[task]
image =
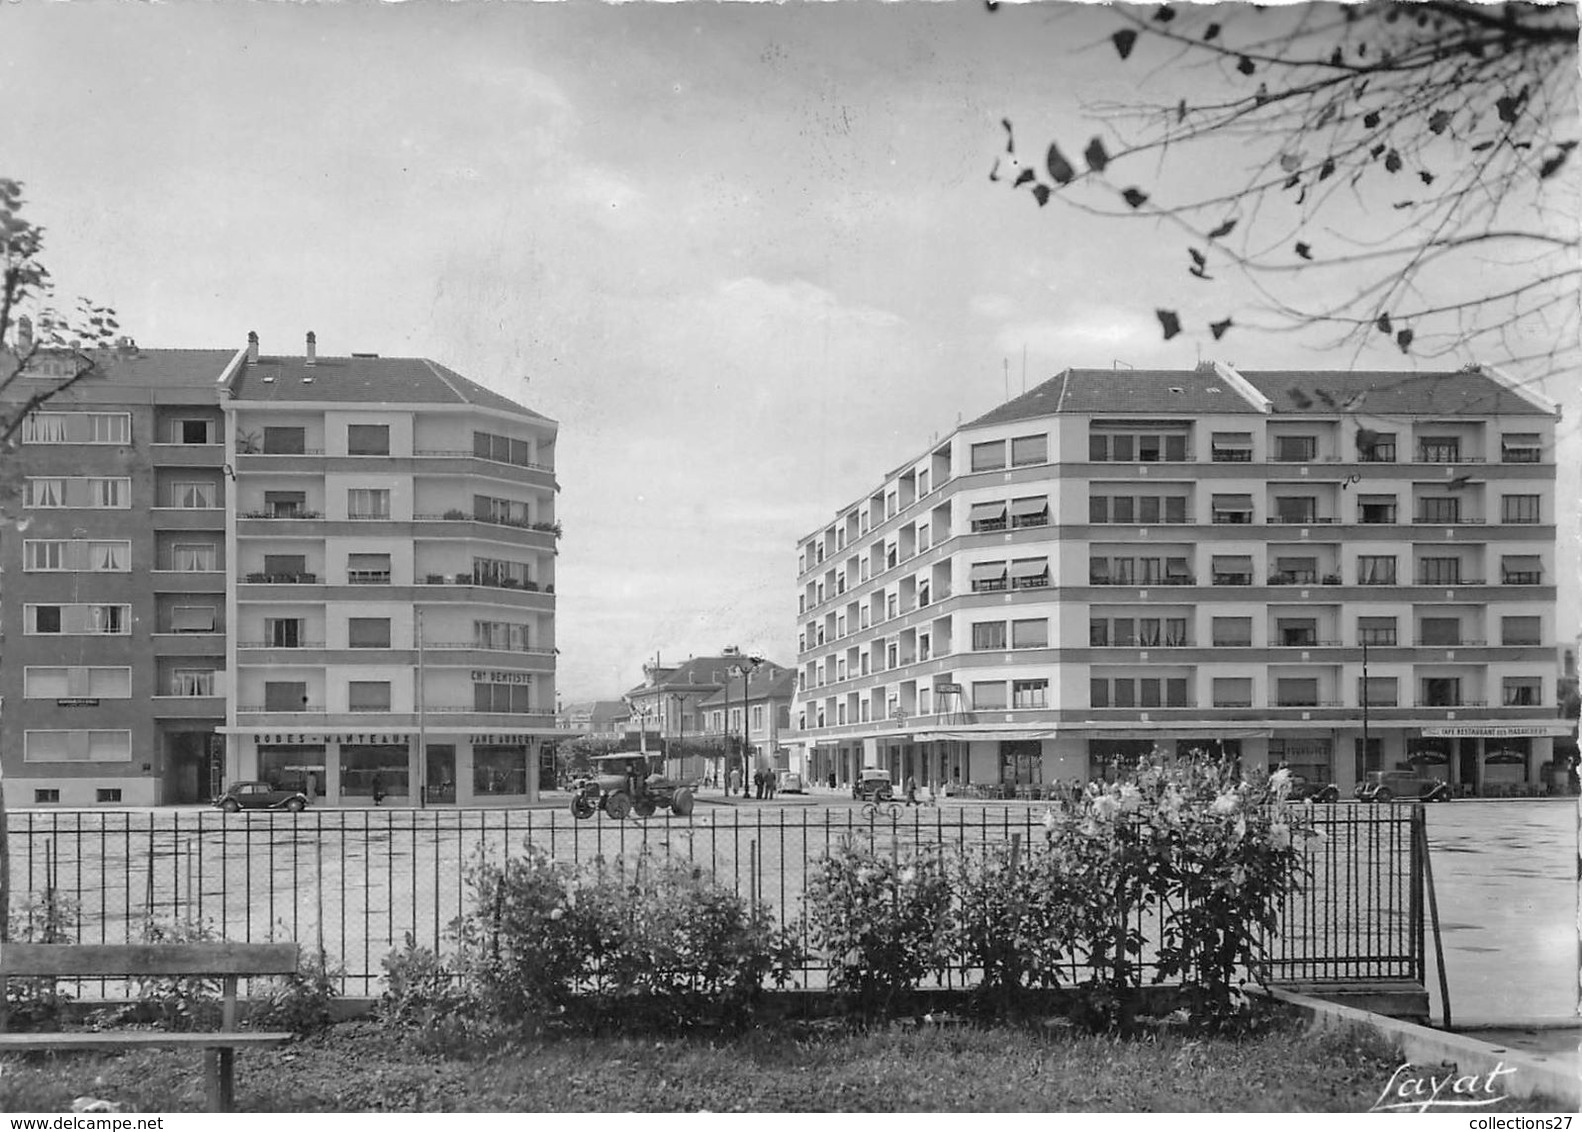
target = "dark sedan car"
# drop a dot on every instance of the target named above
(260, 796)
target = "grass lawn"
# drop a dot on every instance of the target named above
(357, 1067)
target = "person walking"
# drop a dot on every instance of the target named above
(378, 786)
(911, 790)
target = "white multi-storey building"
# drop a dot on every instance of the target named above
(392, 615)
(1337, 572)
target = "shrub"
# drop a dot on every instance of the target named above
(882, 922)
(298, 1002)
(178, 1002)
(39, 1003)
(1214, 855)
(1014, 921)
(425, 995)
(661, 942)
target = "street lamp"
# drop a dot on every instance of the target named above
(743, 668)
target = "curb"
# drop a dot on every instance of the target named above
(1421, 1045)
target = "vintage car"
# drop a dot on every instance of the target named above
(790, 782)
(1304, 790)
(628, 782)
(260, 796)
(873, 784)
(1405, 785)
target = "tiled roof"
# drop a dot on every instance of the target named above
(776, 685)
(1459, 392)
(1151, 391)
(1155, 392)
(150, 368)
(697, 672)
(367, 380)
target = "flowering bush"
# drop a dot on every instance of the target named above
(883, 922)
(1214, 855)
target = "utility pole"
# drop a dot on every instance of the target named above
(422, 730)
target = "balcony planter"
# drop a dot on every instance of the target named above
(435, 579)
(1332, 579)
(454, 515)
(258, 577)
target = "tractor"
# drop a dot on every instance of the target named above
(628, 783)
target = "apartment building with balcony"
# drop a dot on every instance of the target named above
(392, 601)
(113, 679)
(1264, 565)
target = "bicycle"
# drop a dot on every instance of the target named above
(873, 811)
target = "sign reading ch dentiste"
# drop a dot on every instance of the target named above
(483, 676)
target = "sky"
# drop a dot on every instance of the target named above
(748, 255)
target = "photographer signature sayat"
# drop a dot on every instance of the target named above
(1411, 1088)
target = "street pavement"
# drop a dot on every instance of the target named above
(1506, 876)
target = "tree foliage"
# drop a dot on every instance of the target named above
(58, 350)
(1384, 169)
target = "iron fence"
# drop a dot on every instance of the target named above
(356, 883)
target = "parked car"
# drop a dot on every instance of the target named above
(790, 783)
(873, 785)
(1302, 790)
(260, 796)
(1406, 785)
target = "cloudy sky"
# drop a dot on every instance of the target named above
(747, 254)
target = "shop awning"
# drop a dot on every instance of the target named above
(1496, 730)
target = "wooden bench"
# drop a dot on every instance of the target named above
(225, 961)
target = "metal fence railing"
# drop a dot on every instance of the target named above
(357, 882)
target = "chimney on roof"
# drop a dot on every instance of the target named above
(313, 349)
(252, 347)
(24, 334)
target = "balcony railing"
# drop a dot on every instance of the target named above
(1465, 642)
(1232, 517)
(282, 579)
(1458, 703)
(454, 453)
(1521, 455)
(1230, 455)
(1429, 520)
(295, 709)
(301, 513)
(277, 645)
(1522, 578)
(1308, 703)
(984, 526)
(1232, 579)
(1426, 580)
(368, 577)
(1294, 578)
(1033, 582)
(1022, 521)
(987, 585)
(1298, 520)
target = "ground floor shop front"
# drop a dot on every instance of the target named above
(397, 768)
(1475, 760)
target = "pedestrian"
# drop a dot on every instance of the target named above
(911, 790)
(734, 782)
(770, 785)
(378, 787)
(758, 785)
